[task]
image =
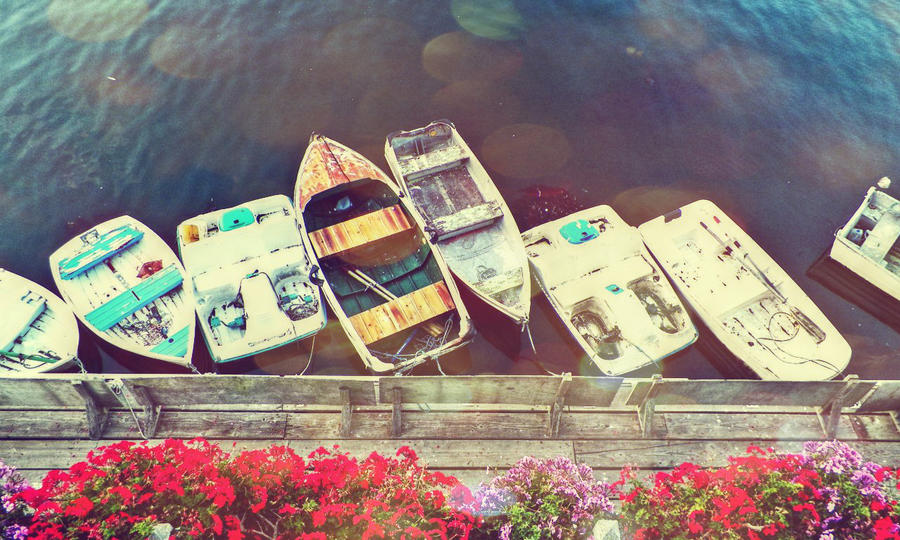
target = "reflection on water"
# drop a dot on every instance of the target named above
(97, 20)
(782, 114)
(492, 19)
(525, 150)
(458, 56)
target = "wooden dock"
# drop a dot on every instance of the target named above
(462, 425)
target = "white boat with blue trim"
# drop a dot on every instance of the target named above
(608, 291)
(256, 286)
(38, 331)
(464, 213)
(125, 284)
(769, 325)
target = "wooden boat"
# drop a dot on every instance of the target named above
(125, 284)
(869, 244)
(607, 290)
(253, 279)
(748, 302)
(38, 331)
(465, 215)
(388, 288)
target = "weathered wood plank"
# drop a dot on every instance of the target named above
(749, 392)
(521, 389)
(771, 426)
(886, 397)
(876, 427)
(193, 390)
(64, 424)
(592, 391)
(602, 425)
(22, 392)
(663, 454)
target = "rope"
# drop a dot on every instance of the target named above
(312, 346)
(527, 327)
(79, 364)
(117, 390)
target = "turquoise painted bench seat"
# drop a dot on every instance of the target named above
(105, 247)
(176, 345)
(109, 314)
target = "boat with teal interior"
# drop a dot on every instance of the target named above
(125, 284)
(388, 287)
(256, 286)
(608, 290)
(467, 218)
(38, 331)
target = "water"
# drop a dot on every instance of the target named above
(783, 112)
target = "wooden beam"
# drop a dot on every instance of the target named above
(346, 411)
(832, 410)
(555, 409)
(96, 414)
(647, 407)
(396, 420)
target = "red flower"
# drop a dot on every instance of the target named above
(79, 507)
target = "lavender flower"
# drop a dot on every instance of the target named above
(554, 497)
(13, 518)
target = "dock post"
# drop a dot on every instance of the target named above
(346, 410)
(97, 415)
(832, 410)
(396, 419)
(647, 408)
(555, 410)
(132, 396)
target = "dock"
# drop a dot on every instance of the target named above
(460, 425)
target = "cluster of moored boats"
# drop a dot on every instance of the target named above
(383, 255)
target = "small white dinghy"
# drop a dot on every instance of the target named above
(464, 213)
(125, 284)
(869, 244)
(253, 281)
(748, 302)
(38, 331)
(607, 290)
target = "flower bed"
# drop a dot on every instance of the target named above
(127, 490)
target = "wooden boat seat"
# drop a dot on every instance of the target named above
(465, 220)
(360, 231)
(402, 313)
(432, 162)
(20, 311)
(104, 247)
(128, 302)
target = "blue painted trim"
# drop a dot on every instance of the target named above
(176, 345)
(127, 303)
(104, 248)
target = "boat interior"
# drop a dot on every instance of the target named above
(381, 269)
(877, 231)
(251, 275)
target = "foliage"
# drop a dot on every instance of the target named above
(14, 518)
(126, 489)
(543, 498)
(827, 492)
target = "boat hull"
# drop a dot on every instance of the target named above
(46, 336)
(130, 292)
(608, 291)
(472, 225)
(879, 271)
(377, 303)
(747, 301)
(252, 278)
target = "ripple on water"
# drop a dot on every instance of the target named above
(526, 150)
(476, 107)
(284, 116)
(359, 52)
(830, 157)
(97, 20)
(734, 70)
(189, 51)
(459, 56)
(492, 19)
(673, 34)
(115, 83)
